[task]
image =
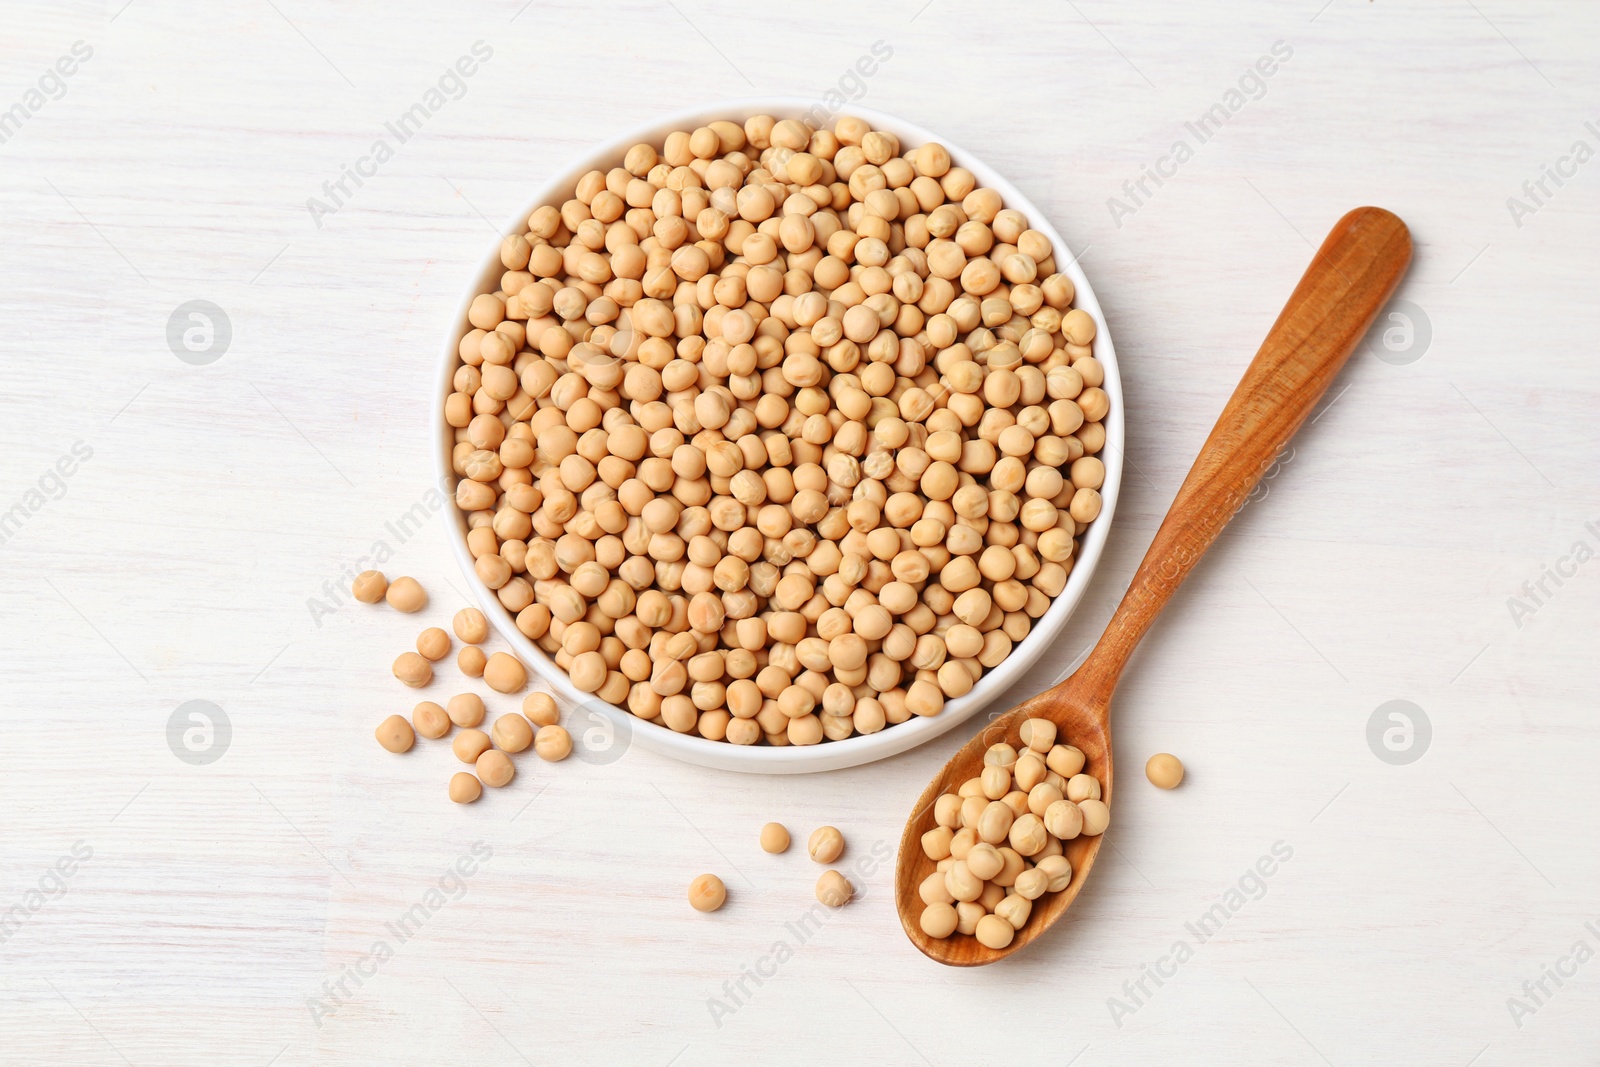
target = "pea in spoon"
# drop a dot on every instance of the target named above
(1350, 278)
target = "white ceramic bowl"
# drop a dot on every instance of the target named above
(830, 755)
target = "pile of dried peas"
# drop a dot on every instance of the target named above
(997, 843)
(773, 433)
(489, 754)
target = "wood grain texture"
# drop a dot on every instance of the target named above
(1374, 564)
(1350, 279)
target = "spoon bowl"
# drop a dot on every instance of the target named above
(1079, 722)
(1349, 280)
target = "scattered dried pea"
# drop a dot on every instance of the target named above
(494, 768)
(407, 595)
(470, 744)
(433, 644)
(471, 626)
(395, 734)
(552, 743)
(826, 844)
(511, 733)
(1164, 770)
(465, 787)
(834, 889)
(707, 893)
(504, 673)
(413, 670)
(465, 709)
(774, 838)
(369, 587)
(430, 720)
(540, 708)
(471, 661)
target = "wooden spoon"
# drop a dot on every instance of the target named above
(1349, 280)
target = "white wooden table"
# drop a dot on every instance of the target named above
(212, 911)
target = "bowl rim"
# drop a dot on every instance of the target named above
(860, 748)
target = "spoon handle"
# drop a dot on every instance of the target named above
(1349, 280)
